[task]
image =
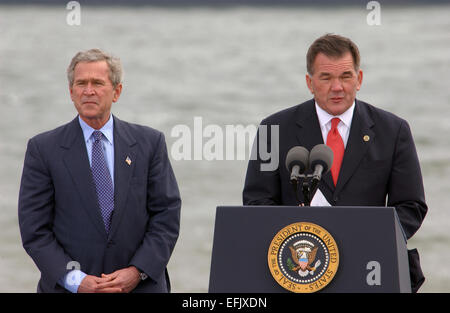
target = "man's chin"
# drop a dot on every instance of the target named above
(90, 117)
(338, 107)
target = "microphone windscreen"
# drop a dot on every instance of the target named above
(321, 154)
(297, 156)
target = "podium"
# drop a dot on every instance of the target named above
(249, 240)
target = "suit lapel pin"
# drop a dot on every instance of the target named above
(366, 138)
(128, 160)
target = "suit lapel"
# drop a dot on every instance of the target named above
(309, 133)
(124, 163)
(357, 144)
(76, 161)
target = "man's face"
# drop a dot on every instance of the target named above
(334, 82)
(93, 93)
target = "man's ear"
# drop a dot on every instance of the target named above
(309, 83)
(360, 79)
(71, 92)
(117, 92)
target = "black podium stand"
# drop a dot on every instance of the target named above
(370, 241)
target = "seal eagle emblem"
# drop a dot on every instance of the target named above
(303, 257)
(303, 254)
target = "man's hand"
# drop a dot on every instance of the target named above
(124, 279)
(91, 284)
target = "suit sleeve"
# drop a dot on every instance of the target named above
(405, 188)
(36, 212)
(262, 184)
(163, 204)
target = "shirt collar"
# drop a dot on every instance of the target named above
(107, 129)
(325, 117)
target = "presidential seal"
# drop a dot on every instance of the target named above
(303, 257)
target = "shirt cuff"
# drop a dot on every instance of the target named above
(72, 280)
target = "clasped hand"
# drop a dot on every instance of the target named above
(123, 280)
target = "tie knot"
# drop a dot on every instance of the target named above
(334, 122)
(97, 135)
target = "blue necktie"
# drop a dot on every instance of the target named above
(102, 180)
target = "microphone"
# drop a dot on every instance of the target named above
(297, 160)
(320, 161)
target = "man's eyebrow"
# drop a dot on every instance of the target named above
(93, 80)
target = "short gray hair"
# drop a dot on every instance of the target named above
(95, 55)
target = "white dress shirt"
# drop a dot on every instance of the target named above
(343, 127)
(325, 126)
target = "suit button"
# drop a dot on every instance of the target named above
(336, 198)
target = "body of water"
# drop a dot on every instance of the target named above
(229, 66)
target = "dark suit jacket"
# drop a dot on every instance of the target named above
(382, 171)
(60, 219)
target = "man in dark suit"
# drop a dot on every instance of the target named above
(99, 206)
(375, 161)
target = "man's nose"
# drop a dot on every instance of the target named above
(336, 85)
(89, 89)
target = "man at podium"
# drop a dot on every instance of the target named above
(375, 161)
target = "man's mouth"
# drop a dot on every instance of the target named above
(336, 99)
(89, 102)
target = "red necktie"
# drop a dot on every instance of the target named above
(335, 142)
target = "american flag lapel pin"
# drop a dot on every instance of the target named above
(128, 160)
